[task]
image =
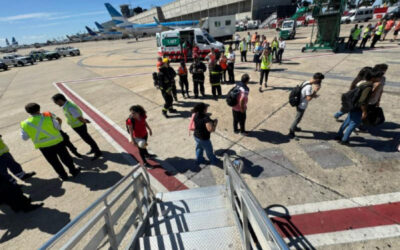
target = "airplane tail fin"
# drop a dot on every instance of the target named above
(91, 32)
(99, 26)
(116, 17)
(14, 42)
(7, 42)
(156, 20)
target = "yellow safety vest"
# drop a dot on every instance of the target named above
(266, 62)
(275, 44)
(41, 130)
(72, 121)
(366, 32)
(3, 147)
(242, 47)
(356, 34)
(379, 30)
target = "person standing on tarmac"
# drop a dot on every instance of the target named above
(183, 79)
(378, 34)
(164, 82)
(223, 62)
(75, 119)
(231, 66)
(274, 47)
(215, 80)
(355, 37)
(243, 50)
(388, 27)
(7, 162)
(282, 46)
(266, 62)
(45, 134)
(171, 75)
(197, 69)
(366, 36)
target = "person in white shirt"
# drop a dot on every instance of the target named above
(308, 92)
(237, 41)
(282, 46)
(231, 66)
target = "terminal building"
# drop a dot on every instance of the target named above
(197, 9)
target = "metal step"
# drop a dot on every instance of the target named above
(217, 238)
(190, 205)
(193, 193)
(190, 222)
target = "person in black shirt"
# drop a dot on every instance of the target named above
(165, 85)
(172, 75)
(204, 126)
(197, 69)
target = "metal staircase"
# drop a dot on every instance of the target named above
(129, 216)
(268, 21)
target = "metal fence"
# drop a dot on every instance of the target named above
(119, 213)
(256, 229)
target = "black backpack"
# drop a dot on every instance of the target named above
(295, 95)
(232, 96)
(350, 98)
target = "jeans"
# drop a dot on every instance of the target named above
(204, 145)
(338, 114)
(8, 162)
(239, 118)
(297, 120)
(264, 72)
(352, 121)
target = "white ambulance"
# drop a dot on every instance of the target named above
(170, 43)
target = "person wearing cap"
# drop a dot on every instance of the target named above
(165, 85)
(171, 75)
(309, 91)
(197, 69)
(7, 162)
(204, 126)
(44, 131)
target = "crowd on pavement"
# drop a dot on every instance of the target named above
(361, 104)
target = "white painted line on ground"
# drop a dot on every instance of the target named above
(344, 203)
(351, 236)
(159, 187)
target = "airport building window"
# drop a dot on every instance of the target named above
(228, 23)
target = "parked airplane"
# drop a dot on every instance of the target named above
(144, 29)
(7, 42)
(14, 42)
(104, 34)
(9, 48)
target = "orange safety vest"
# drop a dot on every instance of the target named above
(253, 38)
(47, 114)
(182, 71)
(223, 64)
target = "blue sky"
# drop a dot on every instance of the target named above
(38, 20)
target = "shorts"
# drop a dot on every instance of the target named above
(256, 58)
(396, 32)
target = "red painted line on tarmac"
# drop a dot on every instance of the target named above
(169, 182)
(338, 220)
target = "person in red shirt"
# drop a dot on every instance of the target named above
(223, 62)
(388, 28)
(183, 79)
(196, 52)
(139, 130)
(396, 31)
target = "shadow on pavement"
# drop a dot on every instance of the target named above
(285, 227)
(248, 166)
(100, 164)
(182, 165)
(41, 189)
(96, 180)
(316, 135)
(273, 137)
(44, 219)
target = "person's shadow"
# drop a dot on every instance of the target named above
(45, 219)
(86, 162)
(273, 137)
(41, 189)
(181, 165)
(248, 166)
(96, 180)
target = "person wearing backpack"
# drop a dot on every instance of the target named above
(203, 127)
(239, 109)
(139, 131)
(360, 77)
(358, 113)
(308, 91)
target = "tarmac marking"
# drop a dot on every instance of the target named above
(118, 138)
(340, 221)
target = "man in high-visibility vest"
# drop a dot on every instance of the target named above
(274, 47)
(378, 34)
(266, 62)
(355, 37)
(75, 119)
(44, 131)
(366, 36)
(243, 50)
(215, 80)
(7, 162)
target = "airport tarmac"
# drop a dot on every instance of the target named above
(338, 197)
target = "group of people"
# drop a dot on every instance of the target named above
(44, 130)
(375, 33)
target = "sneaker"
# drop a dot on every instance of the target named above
(245, 133)
(236, 131)
(265, 85)
(345, 143)
(260, 89)
(165, 114)
(28, 175)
